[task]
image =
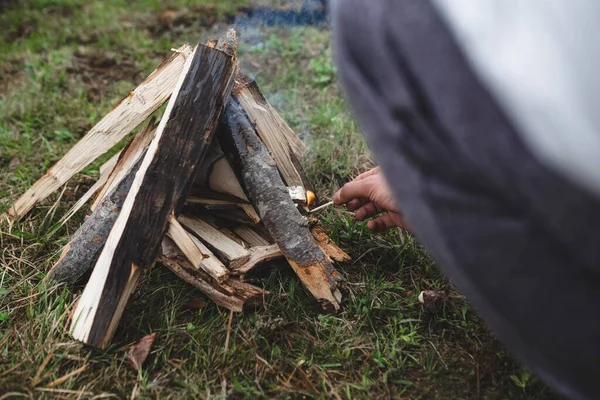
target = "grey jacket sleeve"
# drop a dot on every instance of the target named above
(518, 236)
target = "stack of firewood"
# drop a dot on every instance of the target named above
(212, 191)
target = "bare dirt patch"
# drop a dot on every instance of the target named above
(99, 69)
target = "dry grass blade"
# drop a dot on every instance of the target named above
(37, 378)
(66, 377)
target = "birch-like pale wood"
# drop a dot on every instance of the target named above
(250, 236)
(197, 254)
(163, 180)
(233, 253)
(127, 114)
(281, 141)
(222, 179)
(183, 240)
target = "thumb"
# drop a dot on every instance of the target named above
(356, 189)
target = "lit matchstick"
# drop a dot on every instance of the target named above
(324, 206)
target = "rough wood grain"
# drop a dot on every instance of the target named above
(250, 236)
(111, 129)
(158, 191)
(128, 157)
(331, 250)
(85, 245)
(279, 214)
(283, 143)
(258, 255)
(197, 254)
(233, 253)
(231, 294)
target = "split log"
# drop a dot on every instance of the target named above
(250, 236)
(217, 204)
(158, 190)
(231, 294)
(286, 225)
(234, 237)
(227, 248)
(197, 254)
(111, 129)
(130, 155)
(258, 255)
(283, 143)
(84, 247)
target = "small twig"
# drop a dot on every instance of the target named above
(324, 206)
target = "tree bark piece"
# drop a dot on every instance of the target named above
(231, 294)
(158, 190)
(279, 214)
(230, 250)
(85, 245)
(111, 129)
(328, 246)
(197, 254)
(283, 143)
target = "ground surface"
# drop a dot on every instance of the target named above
(63, 64)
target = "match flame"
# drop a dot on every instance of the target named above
(310, 197)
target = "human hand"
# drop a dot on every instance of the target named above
(369, 195)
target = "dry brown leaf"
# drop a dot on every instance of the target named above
(138, 352)
(193, 304)
(14, 163)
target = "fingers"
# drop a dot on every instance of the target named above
(373, 171)
(361, 189)
(356, 204)
(382, 223)
(368, 210)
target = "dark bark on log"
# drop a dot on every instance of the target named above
(279, 214)
(158, 191)
(83, 250)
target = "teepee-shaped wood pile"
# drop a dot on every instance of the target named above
(211, 191)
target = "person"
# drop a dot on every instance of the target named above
(483, 116)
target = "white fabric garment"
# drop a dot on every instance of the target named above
(541, 60)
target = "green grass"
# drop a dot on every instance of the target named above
(382, 345)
